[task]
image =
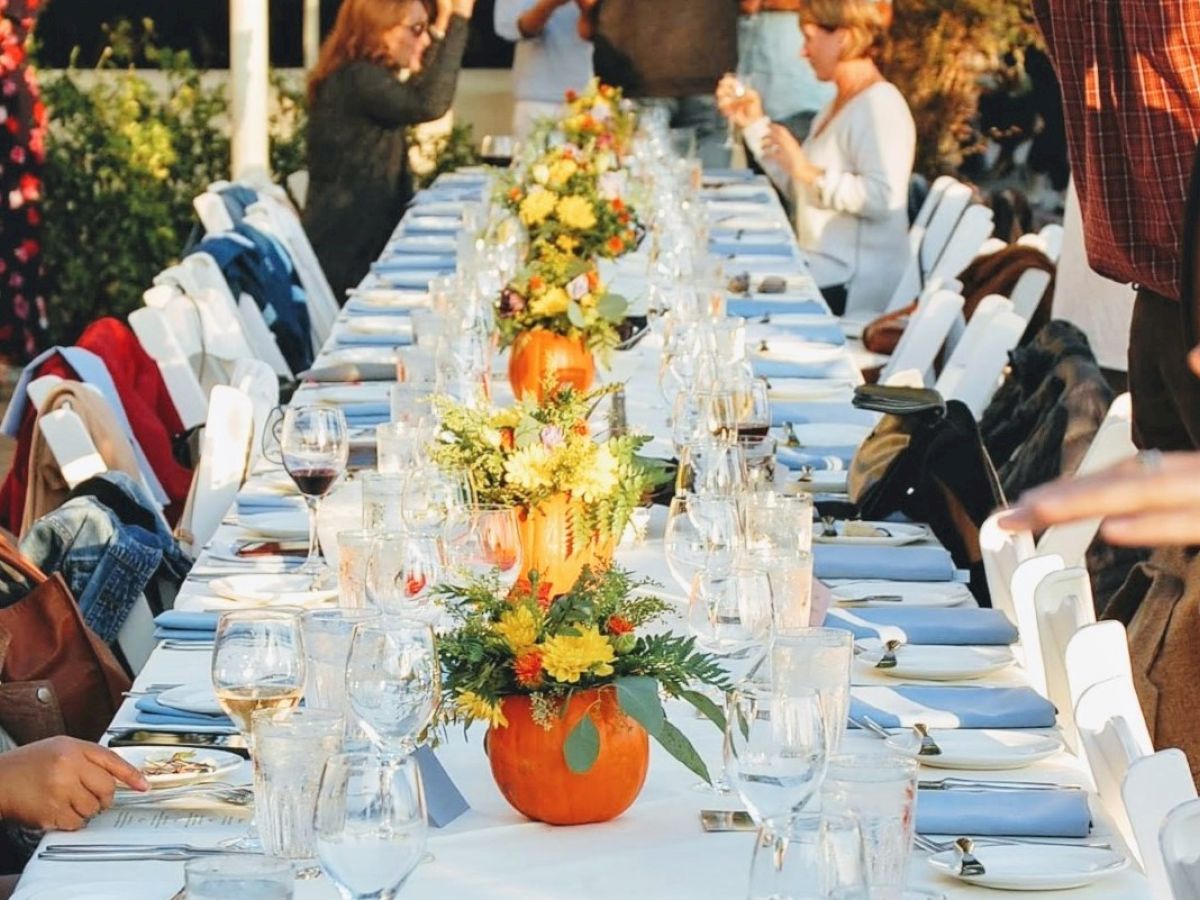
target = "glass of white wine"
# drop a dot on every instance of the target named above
(258, 663)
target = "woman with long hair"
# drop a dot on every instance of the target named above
(848, 181)
(386, 65)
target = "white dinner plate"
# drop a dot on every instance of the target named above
(1034, 867)
(983, 749)
(356, 356)
(819, 434)
(800, 390)
(281, 526)
(894, 534)
(193, 698)
(924, 662)
(95, 890)
(222, 762)
(261, 589)
(385, 325)
(911, 593)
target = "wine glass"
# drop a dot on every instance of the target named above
(258, 662)
(370, 823)
(753, 409)
(434, 499)
(393, 682)
(315, 444)
(711, 467)
(698, 530)
(403, 568)
(488, 542)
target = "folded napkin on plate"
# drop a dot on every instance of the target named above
(347, 337)
(385, 268)
(336, 373)
(756, 245)
(414, 279)
(895, 563)
(822, 459)
(422, 244)
(1015, 813)
(818, 329)
(151, 712)
(252, 502)
(818, 411)
(960, 626)
(360, 306)
(367, 412)
(765, 304)
(432, 225)
(179, 625)
(778, 367)
(942, 706)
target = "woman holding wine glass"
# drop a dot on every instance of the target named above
(315, 444)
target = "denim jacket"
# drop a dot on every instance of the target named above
(108, 558)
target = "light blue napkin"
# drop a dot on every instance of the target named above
(893, 563)
(1036, 813)
(761, 304)
(712, 177)
(201, 624)
(750, 246)
(356, 306)
(421, 245)
(716, 197)
(264, 502)
(921, 625)
(822, 459)
(970, 707)
(788, 368)
(824, 412)
(819, 332)
(346, 337)
(151, 712)
(416, 279)
(432, 262)
(367, 412)
(432, 225)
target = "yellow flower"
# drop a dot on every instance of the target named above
(599, 479)
(566, 243)
(576, 212)
(508, 417)
(561, 171)
(471, 706)
(552, 303)
(529, 467)
(566, 657)
(519, 628)
(536, 206)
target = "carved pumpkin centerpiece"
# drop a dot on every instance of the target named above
(569, 690)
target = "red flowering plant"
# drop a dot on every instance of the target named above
(503, 643)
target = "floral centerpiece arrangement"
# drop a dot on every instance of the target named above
(573, 493)
(600, 118)
(570, 690)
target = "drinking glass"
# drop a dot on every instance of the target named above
(393, 682)
(400, 445)
(758, 459)
(729, 613)
(488, 542)
(382, 500)
(402, 570)
(370, 824)
(817, 856)
(412, 401)
(434, 499)
(699, 531)
(820, 659)
(291, 747)
(754, 408)
(775, 754)
(244, 877)
(354, 547)
(315, 444)
(790, 575)
(327, 637)
(775, 521)
(879, 790)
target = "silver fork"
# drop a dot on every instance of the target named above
(968, 865)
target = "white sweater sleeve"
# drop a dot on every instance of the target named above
(754, 134)
(505, 17)
(872, 176)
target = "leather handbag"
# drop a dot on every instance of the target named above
(56, 676)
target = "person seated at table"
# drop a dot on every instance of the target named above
(371, 82)
(848, 181)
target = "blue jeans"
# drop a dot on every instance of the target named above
(699, 112)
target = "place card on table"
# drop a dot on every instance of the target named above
(443, 800)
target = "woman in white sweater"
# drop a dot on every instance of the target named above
(848, 182)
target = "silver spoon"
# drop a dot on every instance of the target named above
(929, 746)
(888, 660)
(968, 865)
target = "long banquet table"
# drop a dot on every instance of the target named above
(655, 850)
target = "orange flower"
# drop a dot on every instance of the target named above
(593, 278)
(571, 96)
(536, 283)
(617, 204)
(514, 194)
(615, 244)
(528, 669)
(507, 439)
(543, 595)
(618, 625)
(623, 218)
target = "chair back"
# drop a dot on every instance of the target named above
(154, 333)
(1153, 786)
(1063, 604)
(925, 334)
(254, 378)
(1026, 577)
(1179, 841)
(970, 232)
(972, 373)
(1097, 652)
(1002, 552)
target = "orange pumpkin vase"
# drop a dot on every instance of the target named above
(531, 771)
(551, 546)
(538, 352)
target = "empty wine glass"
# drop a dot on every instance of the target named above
(488, 542)
(371, 823)
(315, 443)
(393, 682)
(700, 531)
(712, 468)
(434, 499)
(403, 568)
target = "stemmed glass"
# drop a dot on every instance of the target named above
(699, 531)
(370, 823)
(488, 542)
(753, 408)
(434, 499)
(258, 662)
(393, 682)
(315, 444)
(403, 568)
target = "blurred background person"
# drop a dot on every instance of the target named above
(550, 57)
(848, 181)
(386, 65)
(671, 54)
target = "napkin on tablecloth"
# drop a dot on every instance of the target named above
(753, 245)
(411, 279)
(179, 625)
(778, 366)
(432, 225)
(346, 337)
(943, 706)
(151, 712)
(894, 563)
(965, 626)
(774, 304)
(832, 412)
(423, 245)
(815, 329)
(386, 268)
(1015, 813)
(822, 459)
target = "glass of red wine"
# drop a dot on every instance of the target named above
(315, 444)
(753, 408)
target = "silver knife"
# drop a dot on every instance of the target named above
(968, 784)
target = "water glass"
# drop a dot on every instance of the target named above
(245, 877)
(291, 747)
(403, 568)
(814, 856)
(775, 521)
(790, 575)
(416, 369)
(393, 682)
(354, 547)
(327, 637)
(489, 542)
(370, 823)
(880, 791)
(382, 500)
(700, 532)
(710, 467)
(412, 400)
(758, 459)
(400, 445)
(428, 325)
(819, 659)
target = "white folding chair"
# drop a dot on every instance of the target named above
(224, 459)
(69, 441)
(1002, 552)
(970, 231)
(933, 199)
(972, 373)
(297, 185)
(1179, 841)
(1026, 294)
(925, 334)
(992, 246)
(1063, 604)
(214, 215)
(1052, 237)
(1112, 444)
(1095, 653)
(1112, 734)
(254, 378)
(1153, 786)
(154, 333)
(1026, 578)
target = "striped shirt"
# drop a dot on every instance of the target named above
(1130, 73)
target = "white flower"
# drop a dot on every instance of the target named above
(541, 173)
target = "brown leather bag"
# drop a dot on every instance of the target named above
(56, 675)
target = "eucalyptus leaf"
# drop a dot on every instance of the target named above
(527, 432)
(575, 314)
(675, 743)
(706, 706)
(638, 697)
(582, 746)
(612, 307)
